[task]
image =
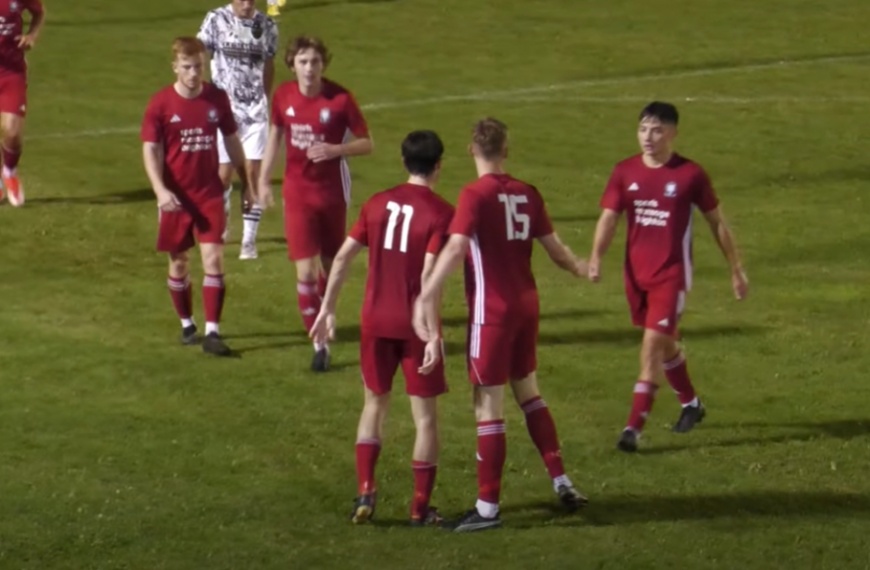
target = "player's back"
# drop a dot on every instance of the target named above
(510, 214)
(403, 224)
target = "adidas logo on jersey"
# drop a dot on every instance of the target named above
(290, 112)
(664, 322)
(175, 119)
(634, 187)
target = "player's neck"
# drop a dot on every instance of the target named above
(485, 167)
(421, 181)
(312, 89)
(182, 90)
(659, 160)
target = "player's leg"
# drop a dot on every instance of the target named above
(175, 237)
(210, 221)
(333, 224)
(675, 368)
(646, 386)
(13, 104)
(423, 391)
(302, 231)
(254, 143)
(488, 371)
(379, 359)
(542, 430)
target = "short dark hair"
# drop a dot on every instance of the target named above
(664, 112)
(491, 136)
(421, 152)
(302, 43)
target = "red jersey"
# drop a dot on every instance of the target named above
(187, 129)
(658, 204)
(399, 226)
(501, 215)
(12, 26)
(325, 118)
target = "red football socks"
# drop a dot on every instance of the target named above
(491, 452)
(644, 396)
(367, 451)
(424, 482)
(677, 374)
(182, 296)
(542, 429)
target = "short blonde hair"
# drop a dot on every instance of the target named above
(490, 136)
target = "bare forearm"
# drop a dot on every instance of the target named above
(271, 152)
(604, 232)
(337, 277)
(725, 240)
(236, 153)
(36, 24)
(268, 76)
(152, 157)
(357, 147)
(448, 261)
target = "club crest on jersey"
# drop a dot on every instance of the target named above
(324, 116)
(257, 29)
(670, 189)
(212, 116)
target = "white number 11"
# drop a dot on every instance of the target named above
(517, 223)
(396, 209)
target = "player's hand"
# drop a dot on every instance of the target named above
(581, 268)
(322, 151)
(593, 269)
(323, 329)
(249, 198)
(26, 41)
(167, 201)
(264, 195)
(431, 356)
(740, 283)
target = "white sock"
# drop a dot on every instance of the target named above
(694, 403)
(318, 346)
(212, 328)
(7, 172)
(487, 510)
(187, 323)
(561, 480)
(250, 224)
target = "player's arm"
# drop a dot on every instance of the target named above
(324, 327)
(562, 255)
(37, 22)
(236, 152)
(268, 75)
(355, 147)
(725, 240)
(152, 157)
(273, 147)
(426, 309)
(605, 229)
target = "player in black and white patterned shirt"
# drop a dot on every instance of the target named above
(242, 42)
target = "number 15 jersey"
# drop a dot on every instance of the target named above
(399, 226)
(501, 216)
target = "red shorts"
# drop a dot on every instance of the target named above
(13, 94)
(503, 352)
(314, 230)
(658, 308)
(203, 223)
(381, 357)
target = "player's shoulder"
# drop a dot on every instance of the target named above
(334, 89)
(629, 163)
(287, 88)
(161, 96)
(219, 13)
(687, 167)
(265, 20)
(213, 92)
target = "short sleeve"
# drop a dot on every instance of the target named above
(543, 225)
(271, 38)
(439, 234)
(466, 219)
(276, 116)
(612, 198)
(206, 32)
(356, 123)
(227, 123)
(359, 231)
(703, 195)
(152, 126)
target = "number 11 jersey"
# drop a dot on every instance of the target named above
(501, 216)
(399, 226)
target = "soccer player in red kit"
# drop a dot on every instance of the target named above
(497, 219)
(13, 86)
(323, 125)
(658, 190)
(179, 135)
(404, 228)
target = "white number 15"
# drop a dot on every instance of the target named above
(517, 223)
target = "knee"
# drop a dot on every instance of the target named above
(179, 266)
(306, 271)
(213, 261)
(426, 423)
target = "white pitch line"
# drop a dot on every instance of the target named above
(713, 99)
(530, 91)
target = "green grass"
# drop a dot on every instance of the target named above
(122, 450)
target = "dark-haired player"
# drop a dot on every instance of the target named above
(404, 228)
(658, 189)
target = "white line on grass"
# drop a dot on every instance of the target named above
(539, 90)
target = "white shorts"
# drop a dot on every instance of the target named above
(253, 139)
